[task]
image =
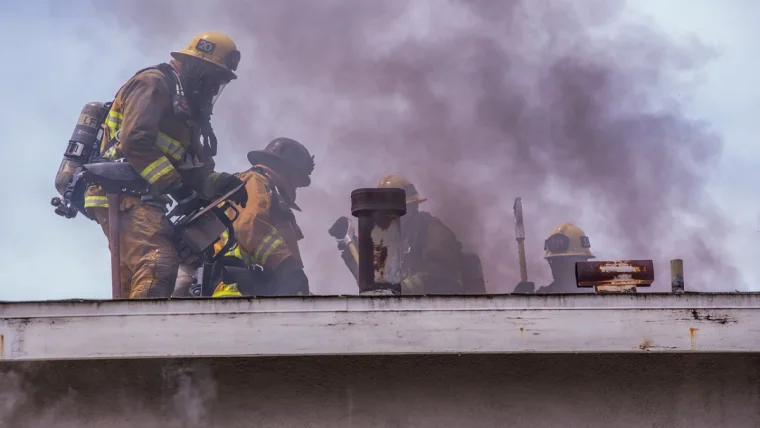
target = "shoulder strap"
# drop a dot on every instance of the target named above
(169, 75)
(178, 95)
(171, 81)
(278, 202)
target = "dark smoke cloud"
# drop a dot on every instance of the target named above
(570, 106)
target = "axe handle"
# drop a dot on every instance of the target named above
(351, 264)
(354, 251)
(521, 260)
(350, 257)
(115, 241)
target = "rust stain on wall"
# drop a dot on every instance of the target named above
(380, 258)
(2, 347)
(693, 336)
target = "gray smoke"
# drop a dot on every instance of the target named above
(574, 106)
(28, 400)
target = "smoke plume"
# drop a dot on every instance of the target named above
(30, 399)
(577, 107)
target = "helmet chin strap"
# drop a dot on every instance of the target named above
(192, 72)
(209, 138)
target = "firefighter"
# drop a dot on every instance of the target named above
(156, 123)
(565, 246)
(266, 230)
(433, 261)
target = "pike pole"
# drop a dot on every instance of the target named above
(115, 241)
(520, 237)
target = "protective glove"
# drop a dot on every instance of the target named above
(226, 182)
(343, 231)
(186, 198)
(525, 288)
(339, 229)
(290, 279)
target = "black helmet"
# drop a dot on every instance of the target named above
(285, 152)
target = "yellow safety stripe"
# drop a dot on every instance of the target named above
(226, 290)
(413, 285)
(236, 251)
(267, 247)
(170, 146)
(113, 122)
(92, 201)
(110, 154)
(225, 237)
(159, 168)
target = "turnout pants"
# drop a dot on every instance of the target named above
(149, 261)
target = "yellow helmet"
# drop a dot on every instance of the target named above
(397, 181)
(215, 48)
(567, 240)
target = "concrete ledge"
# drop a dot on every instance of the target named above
(350, 325)
(416, 391)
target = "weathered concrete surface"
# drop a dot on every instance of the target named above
(340, 325)
(523, 390)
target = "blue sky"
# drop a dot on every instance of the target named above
(67, 58)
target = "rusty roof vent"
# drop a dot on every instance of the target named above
(379, 231)
(621, 276)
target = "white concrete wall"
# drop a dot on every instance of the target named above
(379, 325)
(528, 390)
(479, 361)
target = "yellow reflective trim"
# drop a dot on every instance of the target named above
(110, 154)
(264, 244)
(170, 146)
(226, 290)
(113, 122)
(114, 118)
(166, 170)
(277, 242)
(413, 285)
(159, 168)
(95, 202)
(236, 251)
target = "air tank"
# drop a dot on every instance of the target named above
(84, 139)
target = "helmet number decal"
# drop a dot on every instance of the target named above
(205, 46)
(557, 243)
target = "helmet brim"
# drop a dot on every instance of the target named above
(186, 53)
(261, 157)
(416, 199)
(590, 255)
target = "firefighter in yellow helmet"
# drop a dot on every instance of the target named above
(266, 230)
(565, 246)
(433, 261)
(159, 123)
